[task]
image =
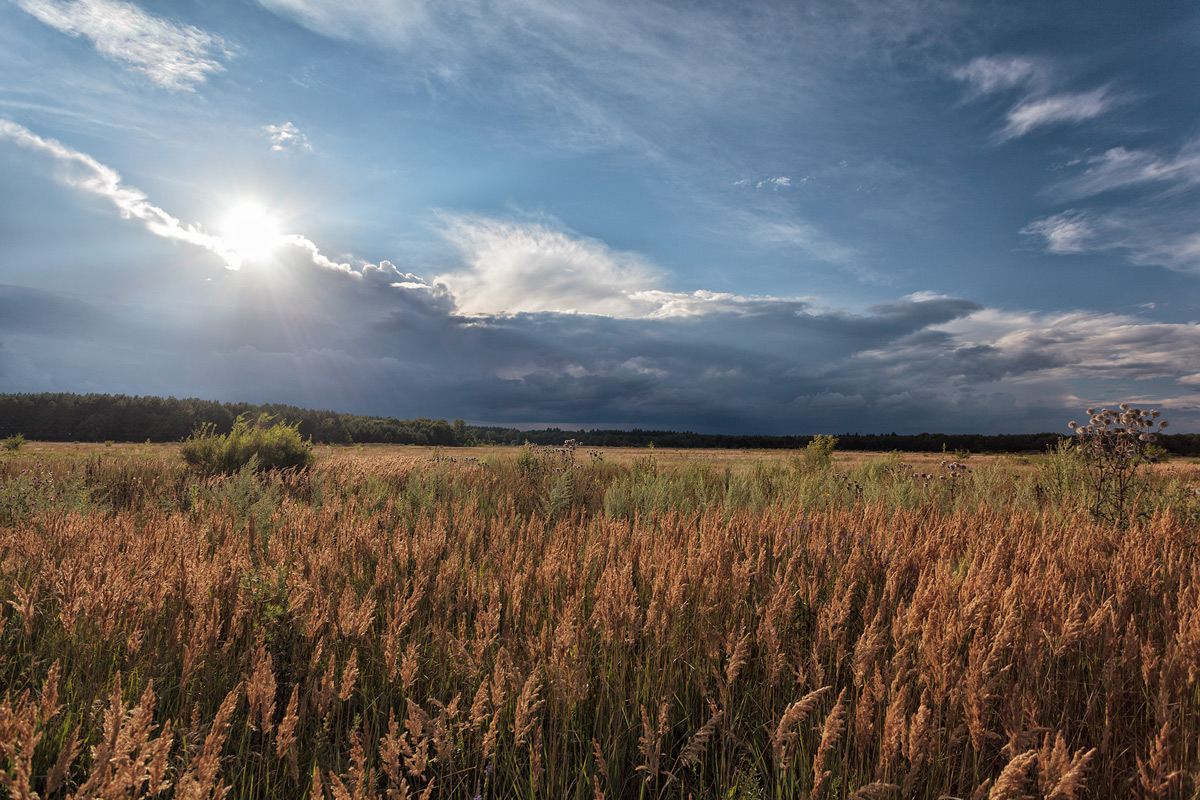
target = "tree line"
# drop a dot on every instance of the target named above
(1176, 444)
(61, 417)
(120, 418)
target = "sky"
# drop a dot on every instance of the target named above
(760, 217)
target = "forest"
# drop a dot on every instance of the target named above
(62, 417)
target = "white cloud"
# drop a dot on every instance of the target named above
(384, 23)
(1120, 168)
(807, 238)
(1179, 250)
(1079, 345)
(1004, 361)
(594, 75)
(779, 182)
(1154, 223)
(86, 173)
(1157, 221)
(286, 137)
(518, 267)
(1038, 106)
(1149, 235)
(1061, 108)
(83, 172)
(1071, 231)
(989, 74)
(172, 55)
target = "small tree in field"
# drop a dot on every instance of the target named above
(1112, 446)
(267, 446)
(818, 455)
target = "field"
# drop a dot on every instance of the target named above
(554, 622)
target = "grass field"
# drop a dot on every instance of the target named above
(478, 622)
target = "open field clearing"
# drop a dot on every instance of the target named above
(667, 457)
(546, 622)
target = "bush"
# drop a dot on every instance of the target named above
(14, 443)
(818, 455)
(259, 444)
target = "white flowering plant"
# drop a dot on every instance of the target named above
(1113, 445)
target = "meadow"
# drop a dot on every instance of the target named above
(563, 623)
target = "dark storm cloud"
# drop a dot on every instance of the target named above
(330, 338)
(33, 311)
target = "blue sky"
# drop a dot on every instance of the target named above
(748, 218)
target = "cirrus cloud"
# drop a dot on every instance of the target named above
(1148, 234)
(1039, 112)
(1038, 106)
(172, 55)
(988, 74)
(1122, 168)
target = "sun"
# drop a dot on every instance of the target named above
(251, 231)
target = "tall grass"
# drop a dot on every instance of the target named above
(455, 627)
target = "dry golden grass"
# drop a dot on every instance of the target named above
(392, 626)
(622, 456)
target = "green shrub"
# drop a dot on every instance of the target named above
(14, 443)
(261, 444)
(1061, 475)
(818, 456)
